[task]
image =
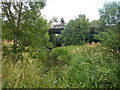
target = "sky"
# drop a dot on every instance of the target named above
(70, 9)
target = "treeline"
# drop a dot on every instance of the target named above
(105, 30)
(27, 31)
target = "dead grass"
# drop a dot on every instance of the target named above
(93, 44)
(5, 42)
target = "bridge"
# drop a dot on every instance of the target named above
(56, 30)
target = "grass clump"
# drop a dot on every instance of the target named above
(26, 73)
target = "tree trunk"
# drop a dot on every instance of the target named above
(17, 27)
(15, 43)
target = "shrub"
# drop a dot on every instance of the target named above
(90, 67)
(60, 56)
(110, 37)
(41, 55)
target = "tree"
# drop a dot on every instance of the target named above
(23, 24)
(108, 14)
(53, 21)
(95, 23)
(118, 15)
(109, 36)
(76, 31)
(16, 14)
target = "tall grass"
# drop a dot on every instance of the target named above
(65, 67)
(27, 73)
(87, 67)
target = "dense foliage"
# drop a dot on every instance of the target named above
(109, 18)
(86, 67)
(90, 66)
(108, 14)
(110, 37)
(25, 27)
(30, 61)
(76, 31)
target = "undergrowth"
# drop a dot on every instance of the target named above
(64, 67)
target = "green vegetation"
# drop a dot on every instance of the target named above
(30, 58)
(109, 14)
(110, 37)
(76, 31)
(24, 27)
(109, 17)
(90, 66)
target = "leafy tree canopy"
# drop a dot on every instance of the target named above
(76, 31)
(24, 26)
(109, 17)
(108, 14)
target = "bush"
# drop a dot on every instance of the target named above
(88, 67)
(110, 37)
(41, 55)
(59, 56)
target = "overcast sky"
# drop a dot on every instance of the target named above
(69, 9)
